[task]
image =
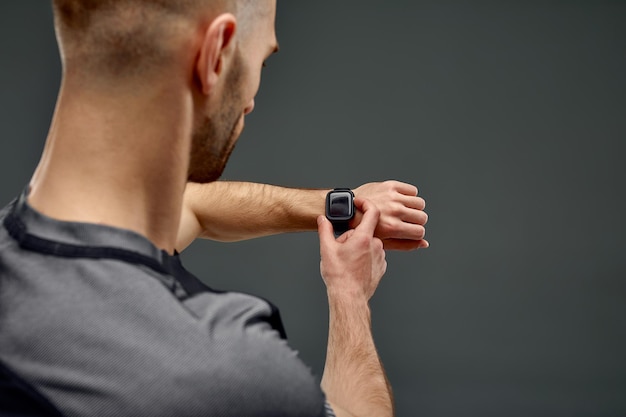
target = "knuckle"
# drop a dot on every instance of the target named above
(386, 229)
(390, 183)
(396, 209)
(362, 241)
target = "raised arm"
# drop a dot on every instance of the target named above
(352, 265)
(232, 211)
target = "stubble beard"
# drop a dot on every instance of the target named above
(214, 140)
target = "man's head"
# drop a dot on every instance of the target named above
(212, 49)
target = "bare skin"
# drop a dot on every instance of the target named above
(74, 181)
(233, 211)
(119, 153)
(352, 267)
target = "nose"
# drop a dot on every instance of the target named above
(249, 107)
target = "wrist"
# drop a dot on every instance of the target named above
(317, 206)
(352, 299)
(304, 207)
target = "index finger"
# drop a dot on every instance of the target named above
(370, 218)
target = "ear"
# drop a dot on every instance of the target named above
(215, 50)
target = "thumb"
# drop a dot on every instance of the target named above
(325, 231)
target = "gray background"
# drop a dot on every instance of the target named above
(509, 116)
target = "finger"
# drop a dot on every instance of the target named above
(404, 230)
(404, 188)
(404, 245)
(412, 202)
(370, 216)
(413, 216)
(345, 236)
(377, 244)
(401, 244)
(325, 231)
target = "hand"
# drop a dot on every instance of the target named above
(402, 216)
(354, 263)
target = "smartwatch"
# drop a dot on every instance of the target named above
(340, 209)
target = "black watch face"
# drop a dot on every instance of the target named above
(340, 205)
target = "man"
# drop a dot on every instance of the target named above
(98, 316)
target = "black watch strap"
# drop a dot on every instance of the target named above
(340, 227)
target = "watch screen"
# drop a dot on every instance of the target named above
(340, 205)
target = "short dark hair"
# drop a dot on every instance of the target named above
(77, 14)
(129, 37)
(115, 37)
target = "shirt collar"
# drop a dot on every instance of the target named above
(80, 234)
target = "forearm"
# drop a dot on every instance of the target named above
(354, 379)
(232, 211)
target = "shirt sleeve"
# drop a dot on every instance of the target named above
(329, 410)
(258, 372)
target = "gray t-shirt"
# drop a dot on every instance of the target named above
(103, 323)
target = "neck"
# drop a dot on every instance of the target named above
(118, 158)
